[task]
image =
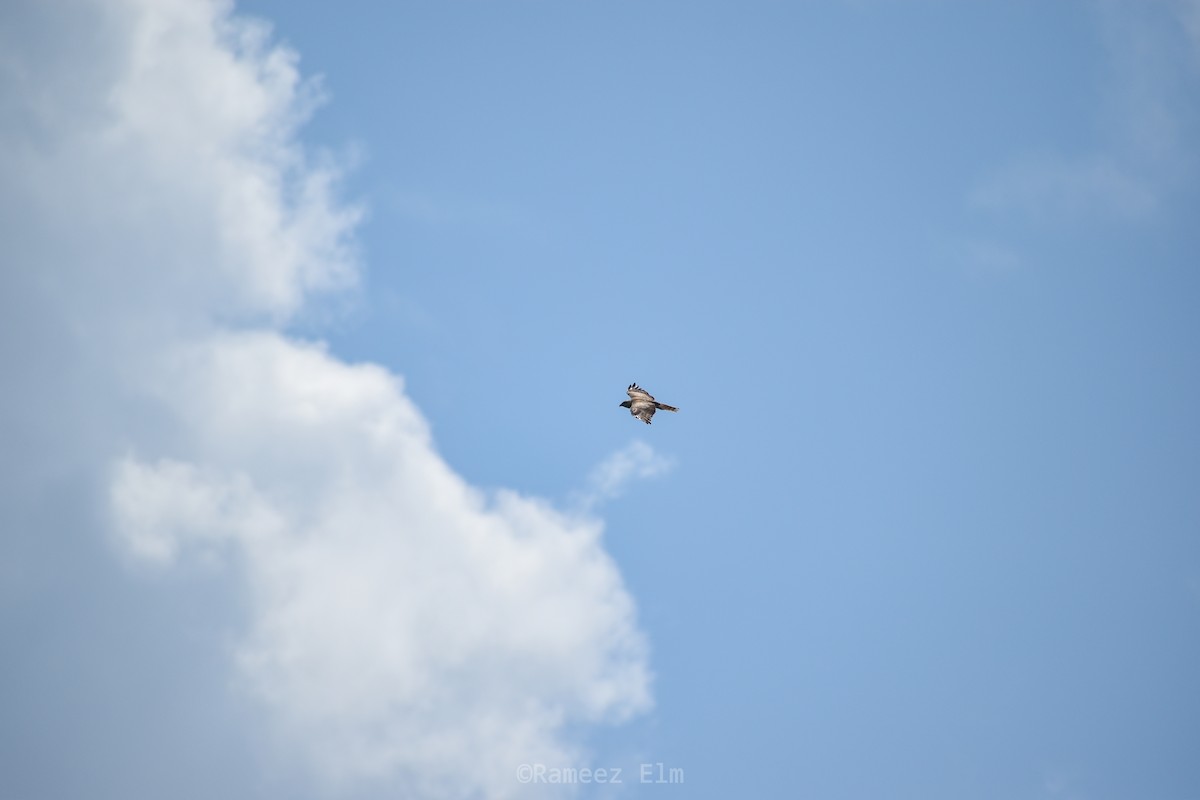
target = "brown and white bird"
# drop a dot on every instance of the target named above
(642, 405)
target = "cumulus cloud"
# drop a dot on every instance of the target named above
(401, 621)
(161, 220)
(174, 160)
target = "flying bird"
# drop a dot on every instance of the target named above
(642, 405)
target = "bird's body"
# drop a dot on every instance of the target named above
(642, 405)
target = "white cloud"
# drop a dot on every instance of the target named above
(153, 195)
(170, 504)
(401, 621)
(162, 143)
(610, 477)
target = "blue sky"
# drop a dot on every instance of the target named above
(319, 486)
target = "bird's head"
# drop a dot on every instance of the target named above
(627, 404)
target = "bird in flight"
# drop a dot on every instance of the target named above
(642, 405)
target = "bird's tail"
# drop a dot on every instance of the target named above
(665, 407)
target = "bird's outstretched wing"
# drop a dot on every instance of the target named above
(637, 393)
